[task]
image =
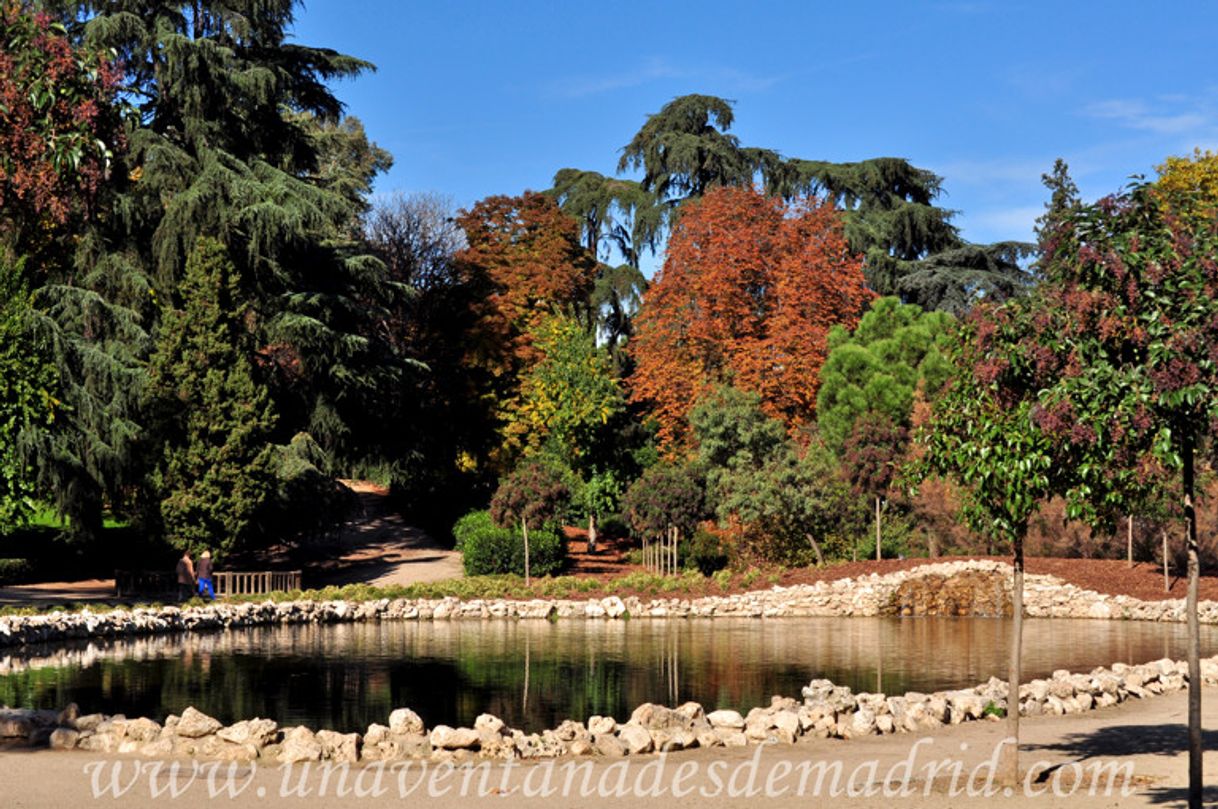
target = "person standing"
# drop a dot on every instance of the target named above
(205, 583)
(186, 576)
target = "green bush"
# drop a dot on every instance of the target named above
(14, 571)
(472, 523)
(488, 549)
(705, 551)
(613, 527)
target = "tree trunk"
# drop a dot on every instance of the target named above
(820, 557)
(878, 553)
(1166, 574)
(524, 530)
(1194, 633)
(1010, 769)
(1129, 541)
(676, 540)
(592, 533)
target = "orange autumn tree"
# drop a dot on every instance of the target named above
(525, 255)
(748, 292)
(523, 263)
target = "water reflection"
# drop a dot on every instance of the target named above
(534, 674)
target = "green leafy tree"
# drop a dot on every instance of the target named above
(60, 139)
(733, 432)
(27, 385)
(599, 495)
(667, 495)
(568, 397)
(794, 506)
(216, 473)
(1121, 346)
(534, 494)
(983, 435)
(871, 454)
(896, 350)
(1094, 388)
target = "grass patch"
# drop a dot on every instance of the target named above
(689, 584)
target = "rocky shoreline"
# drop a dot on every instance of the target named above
(976, 588)
(966, 588)
(826, 711)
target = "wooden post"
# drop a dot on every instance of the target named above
(524, 530)
(878, 553)
(1166, 576)
(1129, 541)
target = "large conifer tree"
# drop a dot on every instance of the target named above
(910, 245)
(235, 139)
(215, 471)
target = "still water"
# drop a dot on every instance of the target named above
(534, 674)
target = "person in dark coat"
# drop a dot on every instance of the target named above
(186, 576)
(206, 589)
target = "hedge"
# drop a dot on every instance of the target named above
(488, 549)
(14, 571)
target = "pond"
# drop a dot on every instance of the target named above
(534, 674)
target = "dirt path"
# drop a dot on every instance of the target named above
(58, 592)
(377, 547)
(1145, 737)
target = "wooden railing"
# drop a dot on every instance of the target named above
(144, 583)
(237, 583)
(226, 582)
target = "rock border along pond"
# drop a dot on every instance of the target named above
(977, 588)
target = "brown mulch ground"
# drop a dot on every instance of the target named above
(1111, 576)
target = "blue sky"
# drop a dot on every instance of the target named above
(479, 98)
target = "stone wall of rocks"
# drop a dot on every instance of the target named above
(949, 588)
(826, 711)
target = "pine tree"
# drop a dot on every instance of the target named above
(26, 393)
(216, 471)
(235, 137)
(910, 245)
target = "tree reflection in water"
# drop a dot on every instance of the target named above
(534, 674)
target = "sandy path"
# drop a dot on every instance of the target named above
(58, 592)
(1145, 735)
(378, 547)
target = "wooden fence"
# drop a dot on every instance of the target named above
(235, 583)
(225, 582)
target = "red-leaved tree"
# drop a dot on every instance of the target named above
(747, 295)
(57, 129)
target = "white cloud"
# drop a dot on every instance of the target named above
(986, 173)
(1015, 223)
(1137, 114)
(653, 70)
